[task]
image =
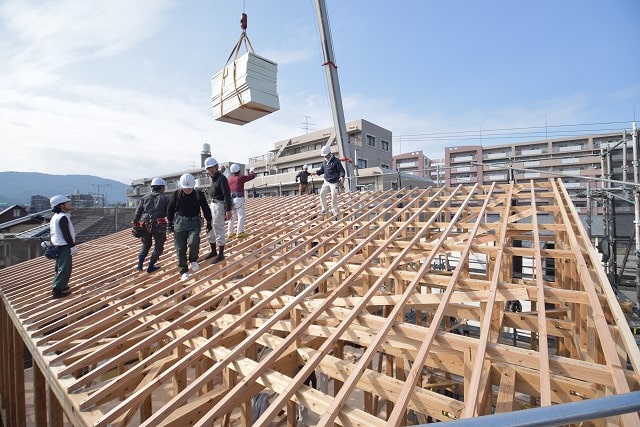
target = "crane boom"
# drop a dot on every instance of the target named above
(334, 92)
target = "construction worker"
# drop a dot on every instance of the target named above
(236, 185)
(63, 237)
(333, 177)
(221, 206)
(151, 214)
(183, 215)
(303, 176)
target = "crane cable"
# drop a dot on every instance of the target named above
(244, 38)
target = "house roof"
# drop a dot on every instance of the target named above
(10, 208)
(399, 308)
(36, 216)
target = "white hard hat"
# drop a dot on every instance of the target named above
(58, 199)
(305, 167)
(210, 162)
(157, 181)
(187, 181)
(234, 168)
(325, 150)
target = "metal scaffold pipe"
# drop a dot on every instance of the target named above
(636, 192)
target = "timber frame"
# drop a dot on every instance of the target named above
(401, 309)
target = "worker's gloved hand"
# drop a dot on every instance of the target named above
(74, 250)
(170, 228)
(209, 227)
(251, 170)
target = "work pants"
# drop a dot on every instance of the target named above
(238, 214)
(157, 237)
(63, 268)
(326, 188)
(216, 235)
(186, 235)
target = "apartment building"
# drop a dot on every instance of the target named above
(416, 163)
(372, 159)
(583, 163)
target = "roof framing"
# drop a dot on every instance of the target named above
(400, 309)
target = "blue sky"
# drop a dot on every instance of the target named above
(121, 89)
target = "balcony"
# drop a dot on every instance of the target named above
(461, 159)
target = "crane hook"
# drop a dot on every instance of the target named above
(243, 22)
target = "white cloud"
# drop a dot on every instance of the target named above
(61, 113)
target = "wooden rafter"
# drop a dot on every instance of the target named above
(399, 309)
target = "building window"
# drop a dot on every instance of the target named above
(355, 140)
(371, 140)
(362, 163)
(384, 166)
(384, 145)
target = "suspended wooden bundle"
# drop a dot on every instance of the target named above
(245, 89)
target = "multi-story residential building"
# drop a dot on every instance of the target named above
(39, 204)
(577, 160)
(372, 158)
(416, 163)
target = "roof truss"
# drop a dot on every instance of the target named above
(401, 310)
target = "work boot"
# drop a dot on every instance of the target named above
(152, 263)
(220, 256)
(152, 267)
(60, 293)
(213, 251)
(140, 262)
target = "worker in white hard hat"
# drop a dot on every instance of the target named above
(185, 221)
(151, 216)
(221, 209)
(303, 177)
(333, 176)
(236, 185)
(63, 237)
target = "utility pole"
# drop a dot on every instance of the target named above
(331, 70)
(99, 186)
(306, 123)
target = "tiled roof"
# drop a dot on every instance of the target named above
(400, 308)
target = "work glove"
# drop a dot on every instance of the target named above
(74, 250)
(209, 227)
(251, 170)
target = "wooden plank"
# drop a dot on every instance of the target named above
(545, 374)
(472, 396)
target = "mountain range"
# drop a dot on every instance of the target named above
(18, 187)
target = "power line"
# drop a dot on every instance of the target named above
(514, 132)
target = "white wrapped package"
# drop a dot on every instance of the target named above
(245, 90)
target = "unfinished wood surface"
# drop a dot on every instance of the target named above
(412, 306)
